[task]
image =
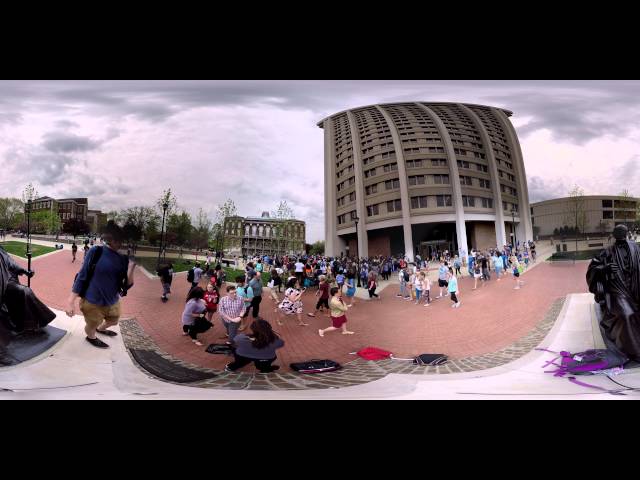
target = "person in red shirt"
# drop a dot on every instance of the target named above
(323, 291)
(211, 298)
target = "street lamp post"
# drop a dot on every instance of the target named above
(29, 242)
(165, 206)
(513, 226)
(356, 220)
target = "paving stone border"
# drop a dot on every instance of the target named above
(357, 372)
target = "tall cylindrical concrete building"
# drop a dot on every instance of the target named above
(423, 176)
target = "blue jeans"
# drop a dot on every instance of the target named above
(232, 329)
(418, 293)
(403, 289)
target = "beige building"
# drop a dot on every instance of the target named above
(264, 236)
(601, 214)
(420, 176)
(96, 220)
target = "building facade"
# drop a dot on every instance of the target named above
(414, 177)
(597, 214)
(264, 236)
(96, 220)
(68, 208)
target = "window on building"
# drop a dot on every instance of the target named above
(466, 181)
(468, 201)
(607, 203)
(352, 196)
(441, 179)
(372, 210)
(484, 183)
(394, 206)
(487, 203)
(391, 184)
(438, 162)
(353, 214)
(371, 189)
(607, 214)
(419, 202)
(390, 167)
(443, 200)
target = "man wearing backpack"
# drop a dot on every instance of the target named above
(194, 275)
(105, 276)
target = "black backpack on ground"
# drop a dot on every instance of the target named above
(315, 366)
(220, 348)
(191, 275)
(431, 359)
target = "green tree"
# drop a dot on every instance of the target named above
(180, 226)
(44, 222)
(75, 227)
(317, 248)
(11, 212)
(223, 212)
(202, 230)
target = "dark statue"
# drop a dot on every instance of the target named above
(614, 278)
(20, 309)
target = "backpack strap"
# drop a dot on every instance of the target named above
(91, 270)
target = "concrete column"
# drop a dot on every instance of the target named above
(404, 187)
(329, 189)
(501, 237)
(461, 232)
(524, 230)
(361, 211)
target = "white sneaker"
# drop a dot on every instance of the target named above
(453, 305)
(457, 305)
(427, 304)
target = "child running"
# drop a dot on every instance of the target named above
(453, 289)
(323, 291)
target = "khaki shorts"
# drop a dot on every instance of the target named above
(95, 314)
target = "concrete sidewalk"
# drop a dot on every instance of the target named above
(76, 370)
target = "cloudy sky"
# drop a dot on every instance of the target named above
(122, 142)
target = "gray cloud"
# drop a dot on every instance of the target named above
(574, 111)
(541, 189)
(61, 142)
(10, 118)
(66, 124)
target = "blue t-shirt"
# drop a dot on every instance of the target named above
(104, 289)
(246, 293)
(453, 284)
(497, 262)
(442, 273)
(339, 278)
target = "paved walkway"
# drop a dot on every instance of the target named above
(490, 319)
(75, 370)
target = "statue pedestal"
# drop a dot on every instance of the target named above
(600, 340)
(25, 346)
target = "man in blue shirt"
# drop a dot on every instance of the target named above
(100, 293)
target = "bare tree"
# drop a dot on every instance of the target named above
(576, 214)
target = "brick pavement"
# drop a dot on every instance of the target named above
(491, 319)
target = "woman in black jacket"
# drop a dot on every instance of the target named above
(258, 347)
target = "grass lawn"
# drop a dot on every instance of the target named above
(150, 264)
(20, 249)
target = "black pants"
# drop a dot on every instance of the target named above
(454, 299)
(255, 305)
(321, 302)
(372, 292)
(200, 326)
(299, 276)
(458, 272)
(264, 366)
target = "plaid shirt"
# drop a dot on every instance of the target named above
(231, 308)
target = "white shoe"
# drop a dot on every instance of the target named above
(427, 304)
(457, 305)
(453, 305)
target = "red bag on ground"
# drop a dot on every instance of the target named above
(373, 353)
